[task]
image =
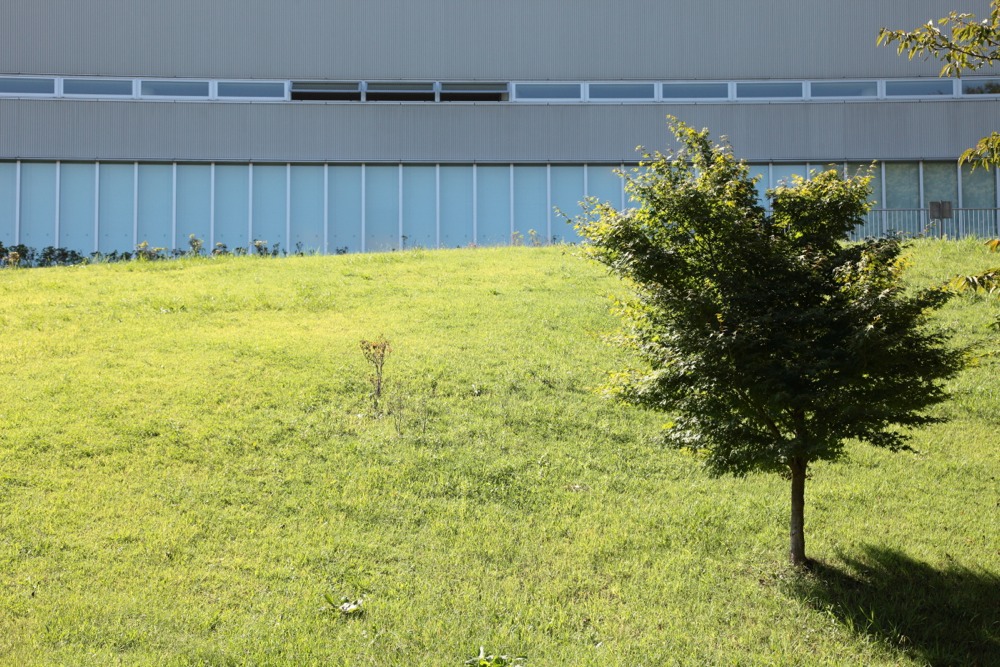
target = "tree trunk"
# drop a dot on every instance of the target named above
(798, 536)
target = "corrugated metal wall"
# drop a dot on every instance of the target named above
(462, 39)
(290, 132)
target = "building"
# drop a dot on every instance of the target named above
(347, 125)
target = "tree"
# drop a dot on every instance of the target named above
(970, 44)
(767, 339)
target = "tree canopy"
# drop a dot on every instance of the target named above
(963, 43)
(767, 339)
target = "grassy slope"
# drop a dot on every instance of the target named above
(188, 463)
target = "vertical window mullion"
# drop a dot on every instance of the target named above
(288, 206)
(622, 181)
(510, 202)
(211, 208)
(326, 209)
(97, 205)
(884, 212)
(920, 182)
(173, 206)
(475, 206)
(399, 195)
(548, 203)
(364, 210)
(437, 206)
(770, 181)
(135, 204)
(960, 214)
(250, 238)
(920, 194)
(17, 203)
(58, 203)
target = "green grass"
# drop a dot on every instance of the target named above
(190, 464)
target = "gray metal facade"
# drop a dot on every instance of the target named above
(441, 40)
(308, 132)
(462, 39)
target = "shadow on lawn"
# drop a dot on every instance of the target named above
(941, 617)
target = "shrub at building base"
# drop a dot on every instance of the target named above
(767, 339)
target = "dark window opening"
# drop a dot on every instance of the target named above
(323, 91)
(400, 92)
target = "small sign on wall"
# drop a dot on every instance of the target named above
(940, 210)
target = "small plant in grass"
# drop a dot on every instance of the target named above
(143, 251)
(263, 249)
(495, 660)
(988, 281)
(195, 245)
(376, 352)
(346, 606)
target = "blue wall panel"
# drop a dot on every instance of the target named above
(419, 207)
(781, 174)
(8, 202)
(605, 184)
(156, 182)
(531, 203)
(493, 205)
(381, 208)
(269, 205)
(117, 194)
(567, 192)
(456, 206)
(978, 187)
(902, 181)
(345, 209)
(76, 206)
(38, 204)
(307, 208)
(232, 205)
(194, 203)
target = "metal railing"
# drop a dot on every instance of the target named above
(915, 222)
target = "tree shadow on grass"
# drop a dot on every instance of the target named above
(941, 617)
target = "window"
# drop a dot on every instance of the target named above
(163, 88)
(920, 88)
(252, 89)
(769, 89)
(98, 87)
(695, 91)
(326, 91)
(400, 92)
(844, 89)
(474, 92)
(981, 87)
(547, 91)
(621, 91)
(24, 86)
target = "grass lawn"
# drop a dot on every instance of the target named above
(190, 463)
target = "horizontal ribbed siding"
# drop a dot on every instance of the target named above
(96, 130)
(463, 39)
